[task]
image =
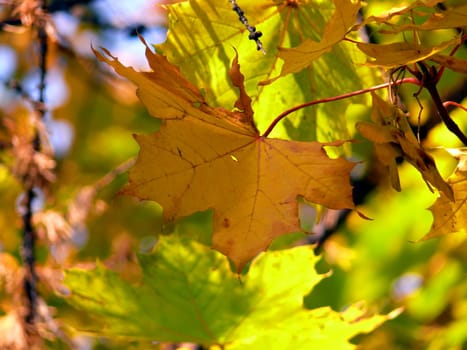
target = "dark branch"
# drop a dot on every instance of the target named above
(29, 235)
(429, 79)
(27, 254)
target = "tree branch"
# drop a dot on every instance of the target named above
(29, 235)
(254, 34)
(429, 78)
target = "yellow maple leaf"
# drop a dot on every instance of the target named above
(453, 17)
(393, 137)
(402, 54)
(403, 9)
(451, 216)
(204, 157)
(454, 63)
(297, 58)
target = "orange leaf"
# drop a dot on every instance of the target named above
(204, 157)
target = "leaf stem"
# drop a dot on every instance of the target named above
(455, 104)
(336, 98)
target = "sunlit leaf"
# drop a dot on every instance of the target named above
(454, 63)
(215, 32)
(400, 9)
(453, 17)
(189, 293)
(344, 17)
(427, 12)
(212, 158)
(401, 54)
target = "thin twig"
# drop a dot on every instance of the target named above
(27, 253)
(454, 104)
(254, 34)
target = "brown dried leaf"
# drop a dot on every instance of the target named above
(10, 274)
(393, 137)
(12, 332)
(52, 226)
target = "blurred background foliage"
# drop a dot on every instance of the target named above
(92, 115)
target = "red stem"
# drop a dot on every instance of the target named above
(335, 98)
(455, 104)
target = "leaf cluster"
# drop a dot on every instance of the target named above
(221, 147)
(264, 114)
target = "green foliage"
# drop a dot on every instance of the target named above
(311, 54)
(189, 293)
(216, 31)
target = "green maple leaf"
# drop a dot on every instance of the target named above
(202, 37)
(188, 293)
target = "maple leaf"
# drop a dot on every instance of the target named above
(401, 54)
(453, 17)
(451, 216)
(204, 157)
(182, 298)
(393, 137)
(344, 17)
(454, 63)
(213, 29)
(400, 9)
(450, 18)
